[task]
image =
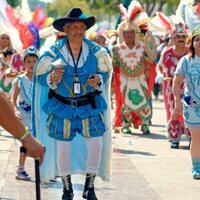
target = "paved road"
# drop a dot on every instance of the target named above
(144, 168)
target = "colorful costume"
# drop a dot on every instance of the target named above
(5, 83)
(168, 63)
(134, 87)
(133, 69)
(189, 68)
(62, 118)
(24, 98)
(118, 97)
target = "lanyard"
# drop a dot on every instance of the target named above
(75, 63)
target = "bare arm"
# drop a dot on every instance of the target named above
(12, 124)
(177, 81)
(14, 96)
(158, 69)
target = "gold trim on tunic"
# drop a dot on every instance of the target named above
(66, 128)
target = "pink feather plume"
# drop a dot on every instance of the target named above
(123, 10)
(165, 21)
(135, 12)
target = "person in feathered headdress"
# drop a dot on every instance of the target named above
(166, 67)
(130, 60)
(188, 70)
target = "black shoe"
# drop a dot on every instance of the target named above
(89, 194)
(145, 130)
(67, 195)
(175, 145)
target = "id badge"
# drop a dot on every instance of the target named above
(77, 87)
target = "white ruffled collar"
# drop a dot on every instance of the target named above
(68, 58)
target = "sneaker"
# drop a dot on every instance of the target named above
(22, 175)
(195, 175)
(174, 145)
(145, 130)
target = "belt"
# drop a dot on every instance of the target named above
(75, 102)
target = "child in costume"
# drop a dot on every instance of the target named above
(21, 101)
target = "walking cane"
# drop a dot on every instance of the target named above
(37, 179)
(37, 175)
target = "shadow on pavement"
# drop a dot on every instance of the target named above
(154, 136)
(124, 151)
(158, 125)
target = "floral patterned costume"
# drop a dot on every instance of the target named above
(169, 61)
(134, 87)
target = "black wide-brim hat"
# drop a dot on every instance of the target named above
(74, 15)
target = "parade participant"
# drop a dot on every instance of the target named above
(188, 70)
(5, 42)
(6, 75)
(165, 71)
(132, 68)
(68, 82)
(21, 101)
(131, 59)
(11, 123)
(101, 40)
(165, 43)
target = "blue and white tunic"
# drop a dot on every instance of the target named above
(190, 68)
(24, 98)
(53, 118)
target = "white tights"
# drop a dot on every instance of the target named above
(94, 146)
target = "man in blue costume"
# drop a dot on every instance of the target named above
(71, 86)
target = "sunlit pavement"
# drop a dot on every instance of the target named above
(144, 168)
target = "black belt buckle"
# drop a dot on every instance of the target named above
(74, 103)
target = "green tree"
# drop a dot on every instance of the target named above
(14, 3)
(58, 8)
(150, 6)
(104, 9)
(34, 3)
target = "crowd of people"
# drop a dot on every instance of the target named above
(62, 96)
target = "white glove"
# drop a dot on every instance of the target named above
(159, 79)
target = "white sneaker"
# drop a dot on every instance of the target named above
(22, 175)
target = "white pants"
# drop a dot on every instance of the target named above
(94, 147)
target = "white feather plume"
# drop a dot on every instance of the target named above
(25, 11)
(187, 12)
(7, 27)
